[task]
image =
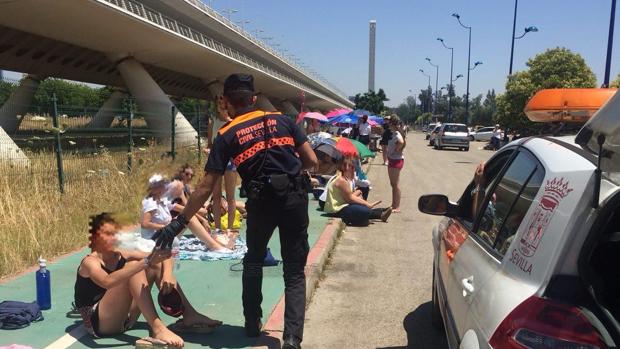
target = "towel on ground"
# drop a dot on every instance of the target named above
(192, 248)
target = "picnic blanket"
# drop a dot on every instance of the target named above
(192, 248)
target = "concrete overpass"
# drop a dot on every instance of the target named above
(153, 49)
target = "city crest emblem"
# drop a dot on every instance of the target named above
(555, 190)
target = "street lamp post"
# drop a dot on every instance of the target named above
(610, 42)
(458, 18)
(436, 81)
(428, 90)
(451, 67)
(514, 26)
(229, 11)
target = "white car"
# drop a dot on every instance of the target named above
(429, 129)
(483, 134)
(452, 135)
(530, 257)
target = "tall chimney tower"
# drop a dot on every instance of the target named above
(371, 56)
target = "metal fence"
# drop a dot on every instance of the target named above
(57, 142)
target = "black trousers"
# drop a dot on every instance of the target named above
(290, 215)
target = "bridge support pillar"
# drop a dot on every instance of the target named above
(263, 103)
(13, 110)
(289, 109)
(154, 104)
(105, 115)
(10, 154)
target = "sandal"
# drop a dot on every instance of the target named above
(203, 328)
(153, 343)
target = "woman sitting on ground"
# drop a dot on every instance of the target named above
(347, 203)
(110, 287)
(156, 213)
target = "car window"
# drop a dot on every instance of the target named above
(436, 129)
(486, 129)
(455, 128)
(492, 170)
(518, 211)
(500, 215)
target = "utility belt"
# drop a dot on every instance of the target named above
(275, 186)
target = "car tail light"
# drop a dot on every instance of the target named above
(540, 323)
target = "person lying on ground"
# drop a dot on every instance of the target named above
(156, 208)
(345, 202)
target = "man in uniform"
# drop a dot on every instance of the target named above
(270, 152)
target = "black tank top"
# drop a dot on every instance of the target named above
(86, 292)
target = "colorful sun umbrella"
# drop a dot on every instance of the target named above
(362, 149)
(315, 115)
(337, 112)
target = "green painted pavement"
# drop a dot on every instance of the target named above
(210, 286)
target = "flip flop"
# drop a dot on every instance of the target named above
(153, 343)
(180, 327)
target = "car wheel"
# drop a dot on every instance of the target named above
(466, 149)
(471, 138)
(436, 319)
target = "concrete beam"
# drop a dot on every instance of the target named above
(105, 115)
(13, 110)
(10, 154)
(154, 104)
(263, 103)
(289, 109)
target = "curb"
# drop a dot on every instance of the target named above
(272, 330)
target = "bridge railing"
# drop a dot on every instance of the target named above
(161, 20)
(240, 30)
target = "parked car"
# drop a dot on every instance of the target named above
(429, 129)
(452, 135)
(433, 134)
(483, 134)
(529, 256)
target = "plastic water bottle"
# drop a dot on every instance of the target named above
(44, 294)
(176, 249)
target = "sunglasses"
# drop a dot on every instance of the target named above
(188, 174)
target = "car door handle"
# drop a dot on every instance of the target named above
(468, 286)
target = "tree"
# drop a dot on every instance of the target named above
(371, 101)
(616, 83)
(554, 68)
(408, 111)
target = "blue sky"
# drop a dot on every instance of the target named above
(332, 37)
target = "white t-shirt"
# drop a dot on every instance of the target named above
(160, 213)
(391, 148)
(364, 129)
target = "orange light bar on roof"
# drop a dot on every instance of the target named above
(567, 104)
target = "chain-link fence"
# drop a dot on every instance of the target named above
(47, 137)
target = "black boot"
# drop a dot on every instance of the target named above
(253, 328)
(291, 342)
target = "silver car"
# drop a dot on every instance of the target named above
(483, 134)
(452, 135)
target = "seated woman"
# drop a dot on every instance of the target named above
(111, 288)
(156, 213)
(347, 203)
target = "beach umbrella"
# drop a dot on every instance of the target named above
(318, 137)
(345, 119)
(315, 115)
(377, 119)
(362, 149)
(337, 112)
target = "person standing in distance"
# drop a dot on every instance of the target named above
(270, 152)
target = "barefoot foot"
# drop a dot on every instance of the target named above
(164, 334)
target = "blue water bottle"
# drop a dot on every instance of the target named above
(44, 294)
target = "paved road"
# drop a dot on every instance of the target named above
(376, 292)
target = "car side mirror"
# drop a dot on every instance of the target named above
(438, 205)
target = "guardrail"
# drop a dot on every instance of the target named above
(161, 20)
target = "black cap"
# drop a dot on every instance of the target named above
(239, 82)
